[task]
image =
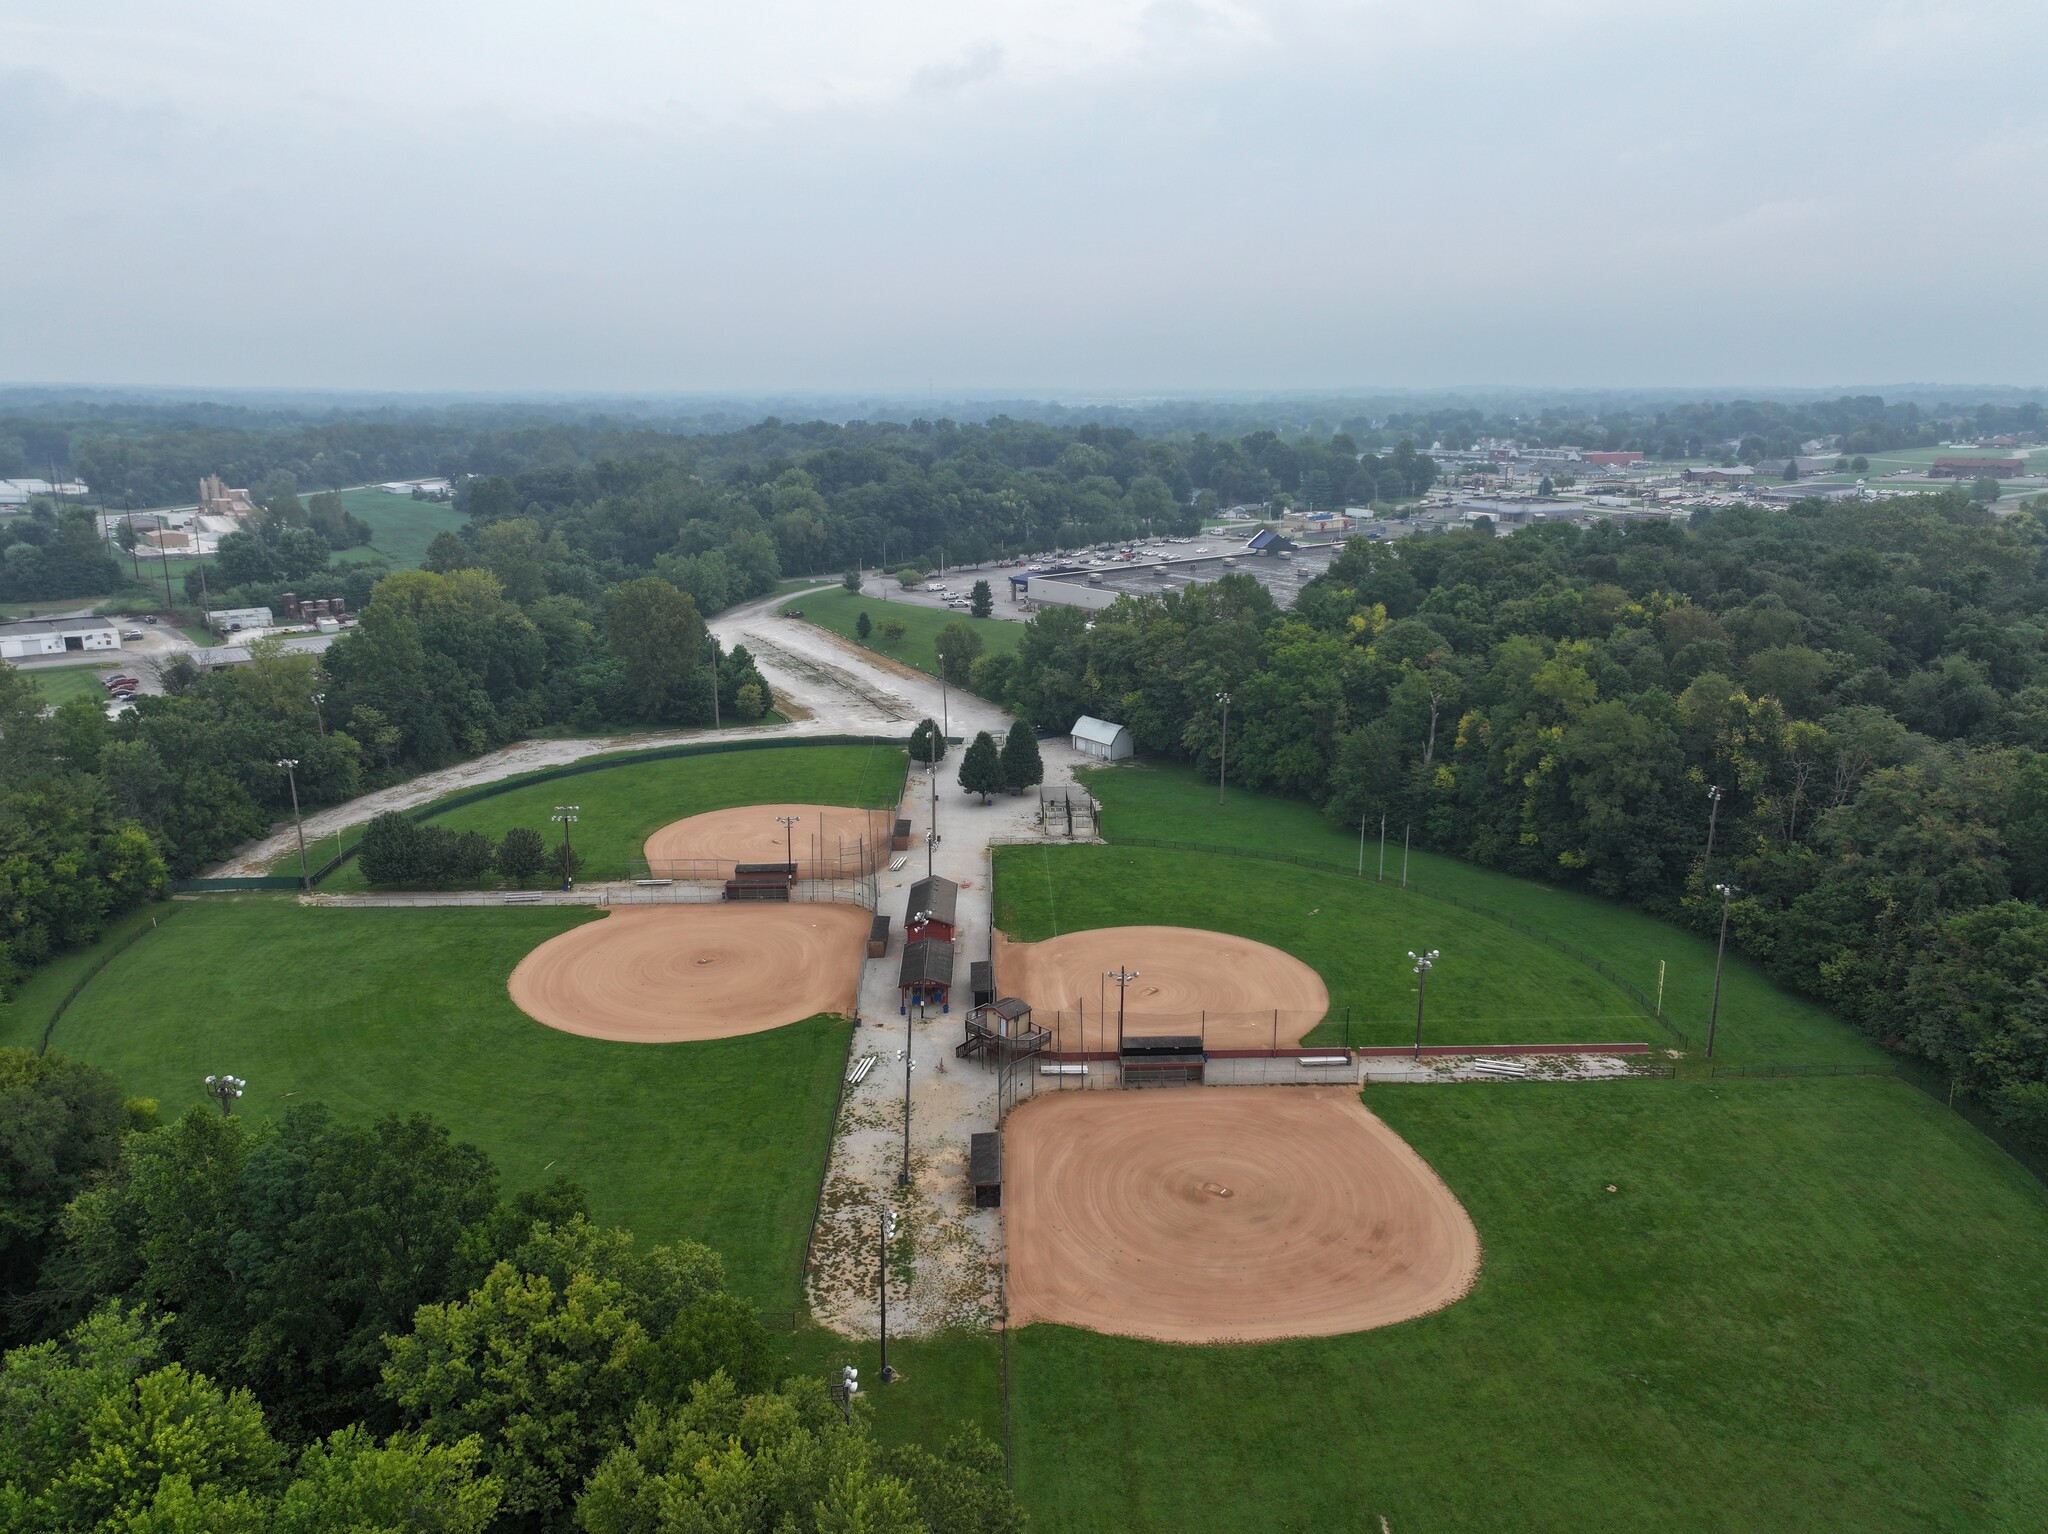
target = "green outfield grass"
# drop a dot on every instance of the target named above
(1493, 985)
(378, 1011)
(839, 609)
(1759, 1020)
(400, 527)
(622, 805)
(1810, 1305)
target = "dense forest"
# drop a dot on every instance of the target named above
(309, 1326)
(1865, 685)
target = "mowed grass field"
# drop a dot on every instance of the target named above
(1759, 1020)
(60, 684)
(621, 805)
(400, 527)
(1808, 1305)
(379, 1011)
(839, 610)
(1493, 986)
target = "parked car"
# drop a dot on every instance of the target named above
(149, 617)
(131, 633)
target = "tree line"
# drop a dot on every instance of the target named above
(1863, 686)
(310, 1326)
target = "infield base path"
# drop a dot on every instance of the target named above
(1189, 981)
(1225, 1214)
(750, 833)
(668, 974)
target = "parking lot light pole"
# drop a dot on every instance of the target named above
(290, 766)
(1727, 892)
(1424, 963)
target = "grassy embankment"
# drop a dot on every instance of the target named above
(622, 805)
(839, 610)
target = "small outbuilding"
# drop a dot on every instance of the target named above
(934, 904)
(33, 637)
(926, 975)
(1101, 739)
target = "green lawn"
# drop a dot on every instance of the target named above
(400, 527)
(376, 1011)
(622, 805)
(1759, 1020)
(1493, 986)
(1811, 1305)
(839, 609)
(60, 684)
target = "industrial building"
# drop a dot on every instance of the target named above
(1283, 572)
(35, 637)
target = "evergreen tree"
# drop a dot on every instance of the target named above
(927, 743)
(982, 600)
(862, 627)
(1022, 766)
(981, 768)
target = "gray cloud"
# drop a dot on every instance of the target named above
(1048, 195)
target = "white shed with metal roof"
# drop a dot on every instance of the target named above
(1101, 739)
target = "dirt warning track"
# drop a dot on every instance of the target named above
(1225, 1214)
(1189, 981)
(751, 833)
(670, 974)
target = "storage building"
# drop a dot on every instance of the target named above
(1101, 739)
(53, 636)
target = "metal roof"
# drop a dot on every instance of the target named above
(1101, 731)
(928, 961)
(55, 625)
(937, 896)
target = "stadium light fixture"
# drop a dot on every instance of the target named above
(888, 1235)
(566, 815)
(788, 824)
(1223, 747)
(225, 1090)
(1713, 814)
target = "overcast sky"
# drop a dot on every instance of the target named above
(1043, 195)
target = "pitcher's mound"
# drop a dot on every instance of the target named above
(1190, 981)
(670, 973)
(1225, 1214)
(751, 833)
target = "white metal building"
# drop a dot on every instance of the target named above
(232, 620)
(53, 636)
(1101, 739)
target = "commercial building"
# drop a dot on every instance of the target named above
(53, 636)
(219, 500)
(220, 657)
(1284, 571)
(1976, 468)
(232, 620)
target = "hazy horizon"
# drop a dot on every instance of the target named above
(1174, 199)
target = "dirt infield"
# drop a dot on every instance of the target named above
(667, 974)
(1225, 1214)
(750, 834)
(1189, 981)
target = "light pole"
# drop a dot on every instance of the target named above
(1713, 814)
(290, 764)
(319, 713)
(712, 640)
(888, 1232)
(909, 1037)
(565, 815)
(224, 1090)
(1424, 963)
(847, 1388)
(1122, 977)
(1223, 747)
(1727, 893)
(945, 720)
(788, 824)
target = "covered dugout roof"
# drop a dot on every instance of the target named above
(928, 961)
(940, 896)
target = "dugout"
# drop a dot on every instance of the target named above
(764, 873)
(985, 1169)
(1161, 1060)
(878, 936)
(899, 836)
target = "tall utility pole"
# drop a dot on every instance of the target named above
(565, 815)
(788, 824)
(1727, 893)
(1383, 849)
(1424, 963)
(1123, 978)
(1223, 747)
(888, 1231)
(713, 642)
(290, 764)
(1713, 814)
(909, 1038)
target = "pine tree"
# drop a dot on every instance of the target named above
(927, 744)
(1022, 767)
(863, 627)
(982, 600)
(981, 767)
